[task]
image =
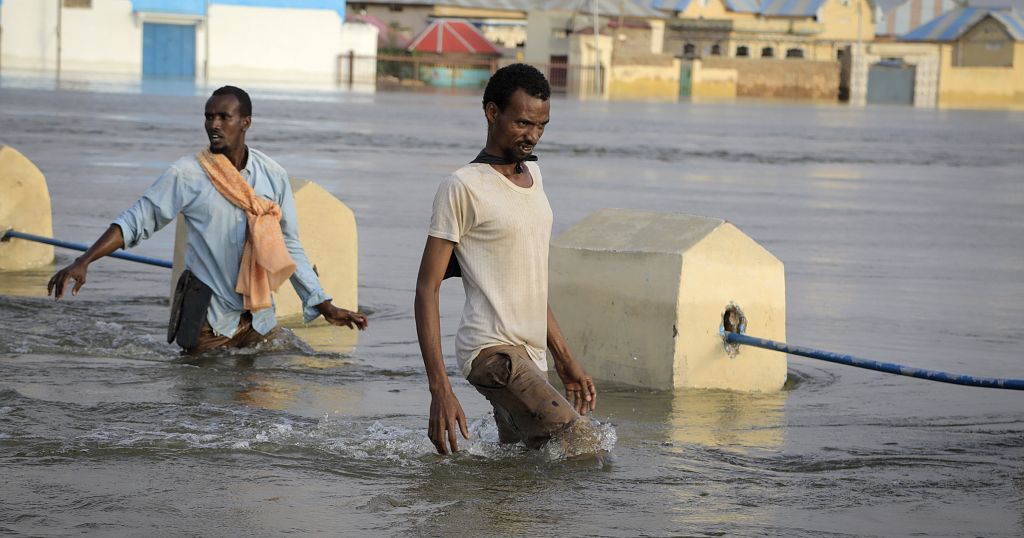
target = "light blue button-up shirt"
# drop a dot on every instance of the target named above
(215, 233)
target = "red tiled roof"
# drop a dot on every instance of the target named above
(452, 37)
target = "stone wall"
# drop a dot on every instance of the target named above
(781, 78)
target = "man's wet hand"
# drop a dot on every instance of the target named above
(445, 416)
(579, 386)
(76, 271)
(341, 317)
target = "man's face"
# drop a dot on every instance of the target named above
(225, 125)
(518, 128)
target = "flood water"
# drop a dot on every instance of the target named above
(903, 240)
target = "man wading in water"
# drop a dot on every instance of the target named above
(494, 216)
(242, 238)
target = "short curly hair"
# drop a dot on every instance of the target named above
(244, 103)
(505, 81)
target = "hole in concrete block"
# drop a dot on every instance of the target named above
(734, 321)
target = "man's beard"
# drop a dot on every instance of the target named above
(514, 156)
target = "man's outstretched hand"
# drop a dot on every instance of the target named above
(341, 317)
(76, 271)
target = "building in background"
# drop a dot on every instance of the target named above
(621, 58)
(981, 54)
(811, 29)
(461, 56)
(272, 41)
(502, 22)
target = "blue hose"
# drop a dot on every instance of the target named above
(887, 367)
(78, 246)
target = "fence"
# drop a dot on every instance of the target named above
(430, 73)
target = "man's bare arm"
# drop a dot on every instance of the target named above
(109, 242)
(445, 410)
(579, 386)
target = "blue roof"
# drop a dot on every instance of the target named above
(1013, 21)
(198, 7)
(952, 24)
(791, 8)
(767, 8)
(743, 6)
(667, 5)
(900, 18)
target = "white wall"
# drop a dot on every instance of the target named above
(29, 34)
(271, 44)
(106, 38)
(361, 39)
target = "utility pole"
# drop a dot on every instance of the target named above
(206, 44)
(60, 21)
(597, 49)
(1, 39)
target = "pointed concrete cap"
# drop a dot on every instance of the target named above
(641, 297)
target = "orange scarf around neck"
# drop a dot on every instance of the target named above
(266, 263)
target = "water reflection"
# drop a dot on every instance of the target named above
(697, 418)
(280, 394)
(727, 419)
(272, 380)
(323, 337)
(27, 283)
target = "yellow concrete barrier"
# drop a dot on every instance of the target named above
(327, 230)
(641, 295)
(25, 207)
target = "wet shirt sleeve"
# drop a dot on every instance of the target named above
(450, 218)
(158, 205)
(304, 280)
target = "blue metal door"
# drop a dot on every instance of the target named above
(168, 51)
(891, 83)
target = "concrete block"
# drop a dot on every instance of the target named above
(25, 207)
(641, 295)
(327, 230)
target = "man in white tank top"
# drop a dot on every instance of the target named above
(492, 215)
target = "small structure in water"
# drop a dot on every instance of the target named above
(642, 297)
(24, 207)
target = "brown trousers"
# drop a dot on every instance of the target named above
(245, 336)
(526, 407)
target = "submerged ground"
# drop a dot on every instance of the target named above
(902, 238)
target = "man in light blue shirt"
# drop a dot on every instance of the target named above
(216, 231)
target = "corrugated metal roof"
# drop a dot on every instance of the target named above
(952, 24)
(743, 6)
(607, 8)
(1014, 22)
(903, 17)
(500, 5)
(198, 7)
(670, 5)
(790, 8)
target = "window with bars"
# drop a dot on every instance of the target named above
(78, 4)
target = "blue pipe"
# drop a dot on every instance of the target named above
(79, 246)
(888, 367)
